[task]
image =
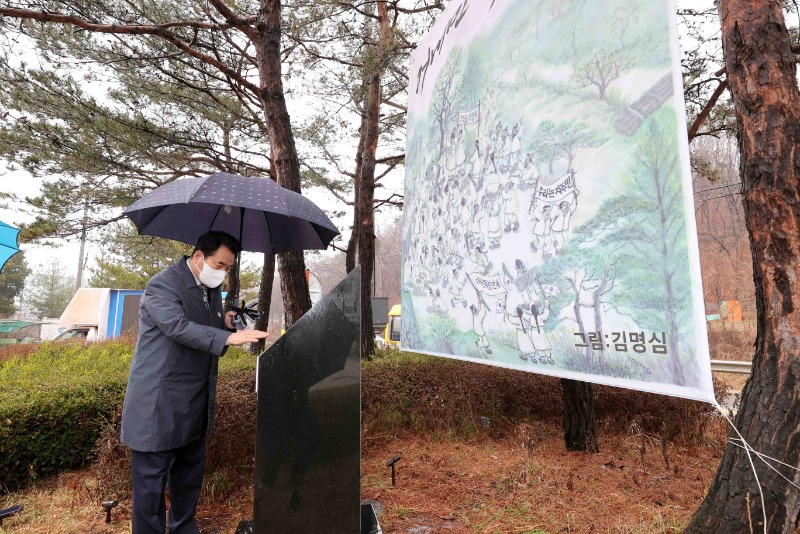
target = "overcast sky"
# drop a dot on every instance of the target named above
(24, 185)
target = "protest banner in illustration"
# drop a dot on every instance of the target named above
(548, 220)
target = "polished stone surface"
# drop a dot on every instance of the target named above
(308, 452)
(369, 520)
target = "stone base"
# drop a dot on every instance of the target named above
(245, 527)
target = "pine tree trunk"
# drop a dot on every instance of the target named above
(580, 433)
(352, 244)
(296, 299)
(365, 196)
(264, 299)
(762, 75)
(233, 287)
(365, 191)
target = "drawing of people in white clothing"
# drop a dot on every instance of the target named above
(476, 164)
(524, 343)
(460, 152)
(529, 174)
(455, 247)
(469, 195)
(511, 207)
(541, 228)
(475, 231)
(516, 300)
(456, 194)
(478, 315)
(480, 259)
(457, 290)
(516, 143)
(494, 207)
(541, 344)
(450, 151)
(504, 147)
(408, 273)
(560, 224)
(441, 222)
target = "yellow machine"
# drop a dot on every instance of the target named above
(391, 334)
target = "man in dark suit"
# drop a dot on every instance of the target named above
(169, 404)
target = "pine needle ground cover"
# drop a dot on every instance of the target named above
(482, 451)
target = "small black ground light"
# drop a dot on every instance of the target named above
(108, 506)
(8, 512)
(391, 463)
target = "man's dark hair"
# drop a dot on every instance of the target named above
(209, 242)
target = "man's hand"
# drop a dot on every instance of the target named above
(229, 319)
(245, 336)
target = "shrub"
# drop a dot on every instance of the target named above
(63, 401)
(53, 403)
(406, 391)
(56, 401)
(230, 454)
(425, 393)
(20, 350)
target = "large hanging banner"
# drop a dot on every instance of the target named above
(549, 222)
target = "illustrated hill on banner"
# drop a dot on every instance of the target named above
(549, 222)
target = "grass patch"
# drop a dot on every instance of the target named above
(57, 399)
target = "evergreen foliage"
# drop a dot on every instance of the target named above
(50, 290)
(12, 282)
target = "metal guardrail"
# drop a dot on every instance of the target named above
(726, 366)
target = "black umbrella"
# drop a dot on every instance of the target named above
(263, 215)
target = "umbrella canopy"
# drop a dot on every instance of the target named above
(263, 215)
(8, 242)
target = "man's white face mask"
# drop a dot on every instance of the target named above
(209, 276)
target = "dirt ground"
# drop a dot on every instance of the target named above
(501, 485)
(67, 504)
(522, 482)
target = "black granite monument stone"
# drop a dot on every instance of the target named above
(308, 432)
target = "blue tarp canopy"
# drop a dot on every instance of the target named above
(8, 242)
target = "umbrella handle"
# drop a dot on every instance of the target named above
(239, 319)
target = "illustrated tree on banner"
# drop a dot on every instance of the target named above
(548, 215)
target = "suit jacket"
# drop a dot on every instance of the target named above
(172, 385)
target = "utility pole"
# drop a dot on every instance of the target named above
(79, 277)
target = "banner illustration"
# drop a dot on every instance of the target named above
(549, 221)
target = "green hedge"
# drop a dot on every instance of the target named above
(55, 401)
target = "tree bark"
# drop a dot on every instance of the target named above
(267, 41)
(762, 76)
(365, 180)
(352, 245)
(365, 196)
(264, 299)
(233, 287)
(580, 433)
